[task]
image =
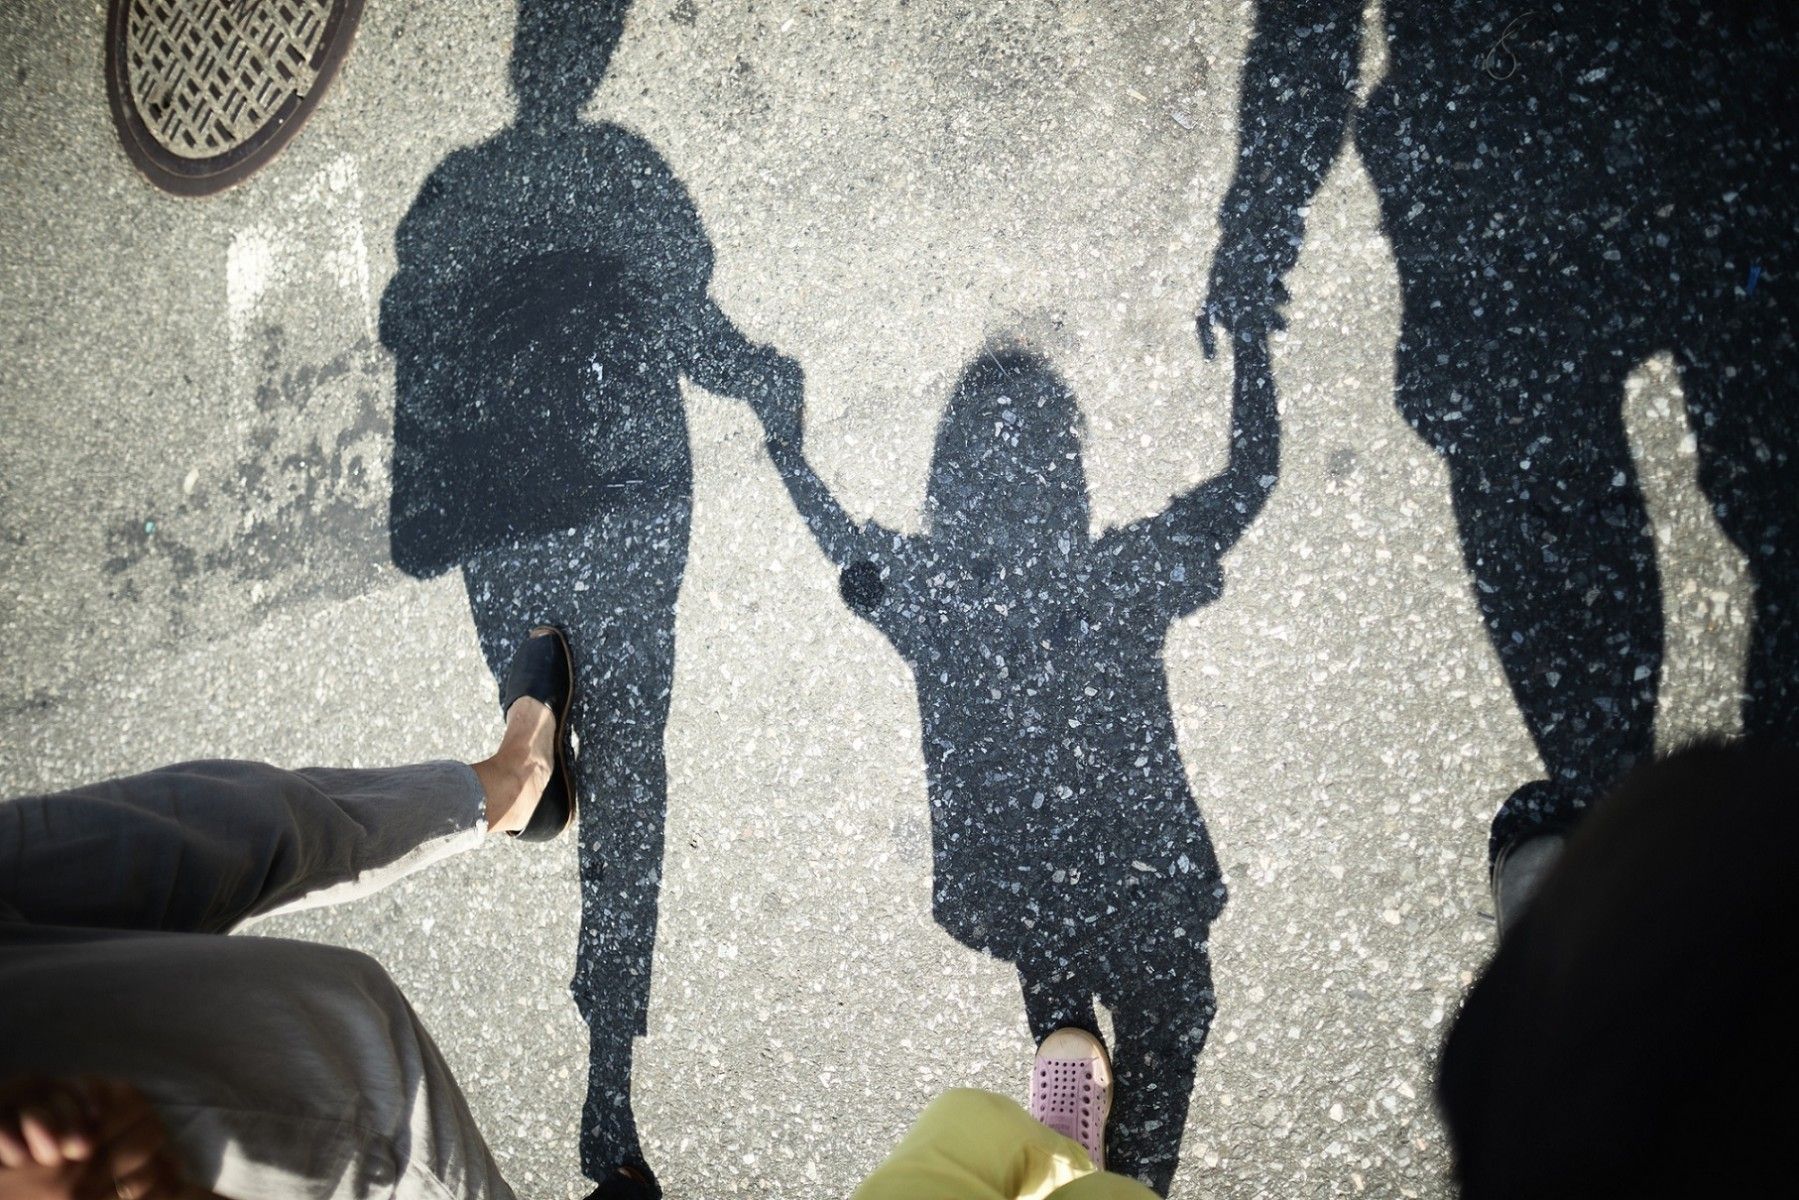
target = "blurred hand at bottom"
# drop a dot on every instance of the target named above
(86, 1139)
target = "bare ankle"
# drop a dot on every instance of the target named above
(513, 779)
(500, 792)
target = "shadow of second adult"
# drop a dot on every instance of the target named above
(551, 293)
(1567, 191)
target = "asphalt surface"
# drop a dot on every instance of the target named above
(194, 561)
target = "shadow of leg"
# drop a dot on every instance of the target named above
(1555, 536)
(1054, 999)
(608, 1125)
(621, 880)
(1161, 1015)
(1748, 439)
(612, 586)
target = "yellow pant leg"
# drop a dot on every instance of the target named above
(974, 1145)
(1103, 1185)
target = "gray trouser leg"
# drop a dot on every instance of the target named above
(204, 846)
(283, 1068)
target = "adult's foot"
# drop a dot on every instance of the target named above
(1518, 872)
(628, 1182)
(513, 778)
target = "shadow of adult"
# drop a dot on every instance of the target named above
(1065, 837)
(551, 294)
(1567, 190)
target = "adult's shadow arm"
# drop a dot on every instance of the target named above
(430, 417)
(722, 360)
(1178, 549)
(1295, 97)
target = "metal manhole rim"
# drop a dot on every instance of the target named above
(205, 176)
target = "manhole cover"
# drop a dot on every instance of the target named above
(206, 91)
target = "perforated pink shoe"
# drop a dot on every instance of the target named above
(1071, 1089)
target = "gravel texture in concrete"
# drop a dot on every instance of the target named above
(1061, 663)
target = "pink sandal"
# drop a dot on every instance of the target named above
(1071, 1089)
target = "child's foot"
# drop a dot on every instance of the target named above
(1071, 1089)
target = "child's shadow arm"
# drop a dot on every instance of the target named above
(1180, 546)
(857, 548)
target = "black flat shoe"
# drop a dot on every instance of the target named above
(632, 1181)
(543, 670)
